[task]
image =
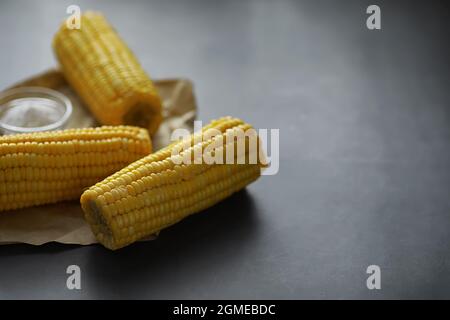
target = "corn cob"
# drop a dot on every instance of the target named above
(47, 167)
(106, 74)
(157, 191)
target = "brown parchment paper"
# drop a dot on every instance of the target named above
(63, 222)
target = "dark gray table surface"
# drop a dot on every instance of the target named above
(364, 178)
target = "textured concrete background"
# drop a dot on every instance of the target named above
(365, 150)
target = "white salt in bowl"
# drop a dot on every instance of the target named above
(33, 109)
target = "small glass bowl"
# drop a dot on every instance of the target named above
(16, 105)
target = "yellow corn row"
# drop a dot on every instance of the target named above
(106, 74)
(47, 167)
(159, 190)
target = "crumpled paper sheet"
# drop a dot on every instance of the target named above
(63, 222)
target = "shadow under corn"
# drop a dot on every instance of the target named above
(195, 248)
(24, 249)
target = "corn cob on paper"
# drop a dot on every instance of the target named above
(181, 179)
(107, 75)
(63, 222)
(53, 166)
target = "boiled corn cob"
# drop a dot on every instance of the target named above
(106, 74)
(47, 167)
(157, 191)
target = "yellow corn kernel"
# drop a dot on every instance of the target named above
(155, 192)
(34, 168)
(106, 74)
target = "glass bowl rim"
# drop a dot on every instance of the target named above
(28, 91)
